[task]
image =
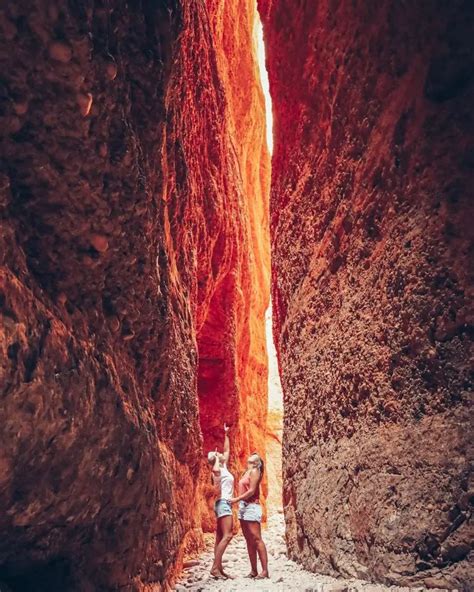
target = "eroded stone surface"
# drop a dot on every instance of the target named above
(127, 238)
(230, 326)
(371, 204)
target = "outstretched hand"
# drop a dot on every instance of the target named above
(226, 428)
(233, 500)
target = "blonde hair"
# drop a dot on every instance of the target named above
(211, 457)
(257, 459)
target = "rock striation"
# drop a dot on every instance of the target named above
(232, 379)
(371, 231)
(134, 257)
(134, 280)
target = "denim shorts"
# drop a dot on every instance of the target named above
(250, 512)
(222, 508)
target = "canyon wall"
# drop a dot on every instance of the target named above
(230, 326)
(371, 226)
(133, 276)
(274, 430)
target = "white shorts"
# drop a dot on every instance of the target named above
(250, 512)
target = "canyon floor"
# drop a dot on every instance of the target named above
(284, 574)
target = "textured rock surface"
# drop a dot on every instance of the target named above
(371, 217)
(127, 241)
(273, 460)
(274, 424)
(231, 334)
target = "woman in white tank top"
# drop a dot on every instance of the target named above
(223, 482)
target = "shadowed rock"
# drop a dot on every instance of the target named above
(129, 236)
(371, 209)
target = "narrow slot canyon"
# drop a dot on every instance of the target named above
(239, 212)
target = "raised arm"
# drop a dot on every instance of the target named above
(226, 443)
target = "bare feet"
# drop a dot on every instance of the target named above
(252, 575)
(226, 575)
(262, 576)
(215, 573)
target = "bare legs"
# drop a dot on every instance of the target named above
(223, 538)
(255, 545)
(218, 537)
(251, 548)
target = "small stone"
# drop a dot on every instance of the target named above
(437, 581)
(60, 51)
(99, 242)
(20, 107)
(336, 587)
(84, 100)
(114, 324)
(111, 70)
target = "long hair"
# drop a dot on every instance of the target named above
(211, 459)
(260, 464)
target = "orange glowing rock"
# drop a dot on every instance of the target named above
(234, 275)
(111, 70)
(84, 100)
(99, 242)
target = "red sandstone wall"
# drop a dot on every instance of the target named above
(273, 460)
(231, 331)
(371, 221)
(128, 250)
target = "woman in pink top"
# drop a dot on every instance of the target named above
(250, 514)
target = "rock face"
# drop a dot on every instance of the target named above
(370, 203)
(274, 425)
(230, 325)
(133, 227)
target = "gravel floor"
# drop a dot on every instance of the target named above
(285, 575)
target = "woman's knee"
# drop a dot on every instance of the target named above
(256, 539)
(227, 537)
